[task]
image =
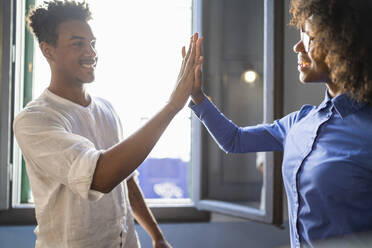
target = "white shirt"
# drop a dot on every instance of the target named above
(61, 142)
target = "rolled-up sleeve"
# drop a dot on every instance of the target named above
(56, 153)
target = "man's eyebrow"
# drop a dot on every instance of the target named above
(75, 37)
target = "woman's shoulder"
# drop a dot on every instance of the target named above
(304, 111)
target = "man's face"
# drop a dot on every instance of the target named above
(311, 69)
(74, 57)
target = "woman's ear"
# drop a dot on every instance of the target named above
(47, 50)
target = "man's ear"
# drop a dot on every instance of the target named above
(47, 50)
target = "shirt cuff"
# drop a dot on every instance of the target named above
(81, 175)
(198, 108)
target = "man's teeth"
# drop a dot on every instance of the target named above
(87, 65)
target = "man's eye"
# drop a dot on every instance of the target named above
(78, 44)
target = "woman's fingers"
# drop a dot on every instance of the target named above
(191, 58)
(197, 81)
(198, 49)
(198, 74)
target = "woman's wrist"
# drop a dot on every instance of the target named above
(198, 98)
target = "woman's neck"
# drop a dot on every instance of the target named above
(333, 90)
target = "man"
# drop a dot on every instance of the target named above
(80, 169)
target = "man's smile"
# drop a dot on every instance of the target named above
(88, 63)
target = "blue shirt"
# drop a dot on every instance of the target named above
(327, 163)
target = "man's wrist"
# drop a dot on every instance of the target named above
(158, 235)
(172, 107)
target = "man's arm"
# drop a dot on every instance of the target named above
(119, 161)
(144, 216)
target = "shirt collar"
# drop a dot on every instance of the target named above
(325, 102)
(343, 104)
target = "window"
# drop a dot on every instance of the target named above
(203, 176)
(242, 38)
(162, 27)
(136, 71)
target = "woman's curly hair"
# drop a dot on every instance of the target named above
(343, 35)
(43, 21)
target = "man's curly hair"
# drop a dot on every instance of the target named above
(43, 21)
(343, 35)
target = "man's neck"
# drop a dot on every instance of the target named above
(74, 93)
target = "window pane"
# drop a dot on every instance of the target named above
(242, 77)
(236, 63)
(139, 49)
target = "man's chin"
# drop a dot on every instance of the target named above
(86, 80)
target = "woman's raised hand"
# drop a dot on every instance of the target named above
(197, 93)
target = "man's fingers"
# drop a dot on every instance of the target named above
(193, 40)
(189, 49)
(183, 52)
(185, 58)
(191, 59)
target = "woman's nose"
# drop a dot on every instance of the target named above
(299, 47)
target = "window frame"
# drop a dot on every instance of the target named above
(273, 109)
(7, 67)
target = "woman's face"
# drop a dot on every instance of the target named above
(311, 69)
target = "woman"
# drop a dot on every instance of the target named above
(327, 163)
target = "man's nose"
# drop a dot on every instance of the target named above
(91, 51)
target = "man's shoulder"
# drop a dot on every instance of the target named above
(102, 103)
(105, 107)
(36, 111)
